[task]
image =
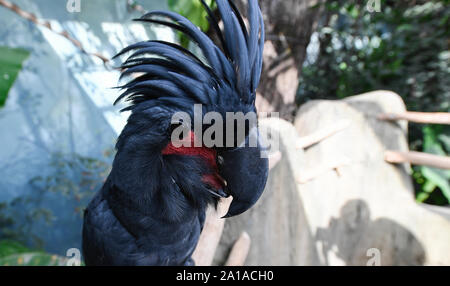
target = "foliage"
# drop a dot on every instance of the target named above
(10, 64)
(436, 141)
(404, 48)
(33, 259)
(10, 247)
(13, 253)
(193, 10)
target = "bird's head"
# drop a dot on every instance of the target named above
(165, 152)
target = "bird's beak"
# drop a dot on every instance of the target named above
(245, 170)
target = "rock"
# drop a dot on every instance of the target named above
(369, 206)
(277, 223)
(363, 213)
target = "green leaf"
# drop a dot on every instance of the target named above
(9, 247)
(343, 66)
(194, 11)
(353, 11)
(434, 143)
(439, 178)
(11, 61)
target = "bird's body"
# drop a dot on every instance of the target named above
(108, 242)
(152, 207)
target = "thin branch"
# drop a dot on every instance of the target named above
(322, 134)
(320, 170)
(418, 158)
(418, 117)
(33, 18)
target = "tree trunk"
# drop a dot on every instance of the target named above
(289, 26)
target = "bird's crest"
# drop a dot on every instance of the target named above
(172, 76)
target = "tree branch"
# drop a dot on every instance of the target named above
(322, 134)
(418, 117)
(33, 18)
(417, 158)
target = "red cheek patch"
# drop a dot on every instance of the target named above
(208, 154)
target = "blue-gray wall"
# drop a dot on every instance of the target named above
(59, 112)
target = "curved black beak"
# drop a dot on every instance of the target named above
(245, 170)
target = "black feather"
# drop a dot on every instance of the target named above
(152, 207)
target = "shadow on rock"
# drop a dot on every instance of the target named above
(354, 238)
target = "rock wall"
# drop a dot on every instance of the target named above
(277, 224)
(362, 212)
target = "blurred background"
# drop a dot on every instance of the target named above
(335, 200)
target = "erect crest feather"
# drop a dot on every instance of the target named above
(173, 76)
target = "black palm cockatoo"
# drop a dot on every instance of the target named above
(151, 209)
